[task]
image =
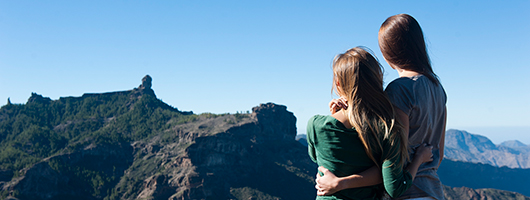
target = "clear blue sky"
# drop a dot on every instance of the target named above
(229, 56)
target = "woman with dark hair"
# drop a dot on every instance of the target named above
(420, 103)
(354, 139)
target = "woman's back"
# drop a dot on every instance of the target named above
(340, 150)
(424, 102)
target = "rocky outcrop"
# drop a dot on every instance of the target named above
(145, 87)
(146, 83)
(257, 151)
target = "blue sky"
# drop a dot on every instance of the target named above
(229, 56)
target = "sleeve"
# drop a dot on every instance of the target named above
(311, 134)
(400, 95)
(395, 179)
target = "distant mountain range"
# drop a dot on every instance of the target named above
(469, 163)
(464, 146)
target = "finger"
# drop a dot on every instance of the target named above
(333, 108)
(343, 104)
(323, 169)
(344, 101)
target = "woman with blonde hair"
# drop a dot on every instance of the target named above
(365, 134)
(420, 103)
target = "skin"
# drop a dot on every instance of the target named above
(330, 184)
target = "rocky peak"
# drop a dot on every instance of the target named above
(276, 120)
(146, 82)
(145, 87)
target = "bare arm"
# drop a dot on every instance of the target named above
(423, 154)
(329, 183)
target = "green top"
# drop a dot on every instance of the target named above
(340, 150)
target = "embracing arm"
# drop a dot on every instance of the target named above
(395, 179)
(329, 183)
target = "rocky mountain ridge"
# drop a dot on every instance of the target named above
(130, 145)
(464, 146)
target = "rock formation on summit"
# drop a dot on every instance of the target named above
(146, 82)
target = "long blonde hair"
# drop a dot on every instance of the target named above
(370, 112)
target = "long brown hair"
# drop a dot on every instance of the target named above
(360, 77)
(402, 43)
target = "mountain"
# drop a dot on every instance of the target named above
(131, 145)
(516, 145)
(513, 144)
(464, 180)
(464, 146)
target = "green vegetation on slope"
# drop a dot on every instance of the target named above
(42, 128)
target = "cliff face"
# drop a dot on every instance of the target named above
(130, 145)
(227, 154)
